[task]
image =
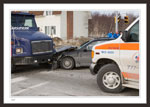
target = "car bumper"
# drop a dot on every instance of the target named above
(31, 60)
(92, 68)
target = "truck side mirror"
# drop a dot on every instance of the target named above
(38, 28)
(125, 36)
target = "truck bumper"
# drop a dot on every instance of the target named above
(92, 68)
(31, 60)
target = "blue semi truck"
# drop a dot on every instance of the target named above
(28, 45)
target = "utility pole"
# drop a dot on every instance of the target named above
(116, 21)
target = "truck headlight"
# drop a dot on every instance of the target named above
(19, 50)
(12, 43)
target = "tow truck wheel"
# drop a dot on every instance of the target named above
(67, 63)
(109, 79)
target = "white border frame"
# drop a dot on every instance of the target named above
(78, 99)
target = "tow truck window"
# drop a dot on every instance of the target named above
(134, 33)
(13, 21)
(28, 22)
(22, 21)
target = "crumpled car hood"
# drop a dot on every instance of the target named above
(65, 48)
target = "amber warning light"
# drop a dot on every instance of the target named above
(92, 54)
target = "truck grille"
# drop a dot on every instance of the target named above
(43, 46)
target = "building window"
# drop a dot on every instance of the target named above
(53, 30)
(48, 13)
(47, 30)
(50, 30)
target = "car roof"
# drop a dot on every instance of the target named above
(102, 39)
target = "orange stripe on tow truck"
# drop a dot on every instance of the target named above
(130, 75)
(119, 46)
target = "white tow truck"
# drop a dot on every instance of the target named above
(116, 62)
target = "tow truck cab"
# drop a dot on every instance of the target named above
(28, 45)
(116, 62)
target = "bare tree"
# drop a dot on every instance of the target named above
(101, 24)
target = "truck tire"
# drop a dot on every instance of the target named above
(109, 79)
(54, 65)
(67, 63)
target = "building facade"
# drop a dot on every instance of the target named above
(63, 24)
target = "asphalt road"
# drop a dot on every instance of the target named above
(43, 81)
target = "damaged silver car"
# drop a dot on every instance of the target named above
(69, 57)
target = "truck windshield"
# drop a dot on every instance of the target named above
(22, 21)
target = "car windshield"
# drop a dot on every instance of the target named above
(82, 45)
(22, 21)
(90, 44)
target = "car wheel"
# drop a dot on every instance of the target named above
(109, 79)
(67, 63)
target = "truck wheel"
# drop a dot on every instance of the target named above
(109, 79)
(67, 63)
(54, 65)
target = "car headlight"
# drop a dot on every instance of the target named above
(19, 50)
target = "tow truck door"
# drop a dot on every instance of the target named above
(129, 54)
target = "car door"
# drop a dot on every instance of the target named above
(85, 53)
(129, 54)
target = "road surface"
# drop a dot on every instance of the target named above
(43, 81)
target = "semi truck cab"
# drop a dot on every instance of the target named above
(116, 62)
(28, 45)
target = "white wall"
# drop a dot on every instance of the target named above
(63, 25)
(80, 23)
(80, 27)
(53, 20)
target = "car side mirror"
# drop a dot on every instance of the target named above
(125, 36)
